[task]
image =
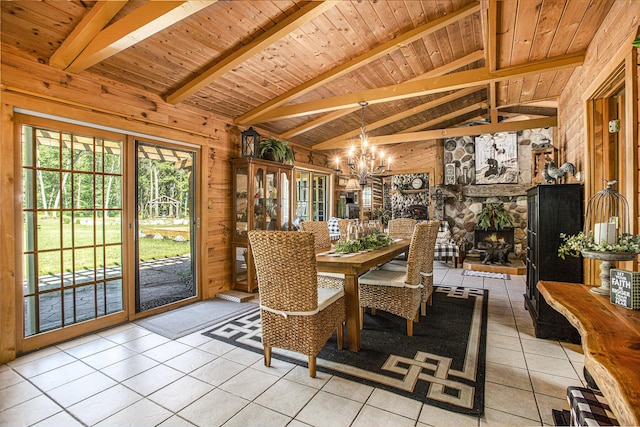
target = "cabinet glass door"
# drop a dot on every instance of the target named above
(258, 201)
(271, 200)
(242, 187)
(284, 201)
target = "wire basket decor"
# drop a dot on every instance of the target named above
(607, 215)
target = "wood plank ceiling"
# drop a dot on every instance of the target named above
(298, 69)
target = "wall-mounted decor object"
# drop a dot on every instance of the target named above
(497, 158)
(450, 174)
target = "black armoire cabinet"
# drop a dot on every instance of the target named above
(551, 210)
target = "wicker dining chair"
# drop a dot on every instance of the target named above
(402, 228)
(295, 313)
(343, 225)
(322, 239)
(426, 271)
(397, 292)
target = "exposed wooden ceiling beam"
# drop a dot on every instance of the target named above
(461, 112)
(493, 103)
(331, 143)
(464, 131)
(93, 22)
(447, 68)
(292, 22)
(147, 20)
(405, 90)
(254, 115)
(491, 27)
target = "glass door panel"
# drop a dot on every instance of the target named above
(302, 196)
(165, 225)
(271, 200)
(241, 202)
(258, 200)
(284, 201)
(73, 198)
(320, 197)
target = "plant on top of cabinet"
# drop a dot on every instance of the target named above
(276, 150)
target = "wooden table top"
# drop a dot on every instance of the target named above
(360, 261)
(610, 340)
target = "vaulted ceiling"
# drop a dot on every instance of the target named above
(299, 69)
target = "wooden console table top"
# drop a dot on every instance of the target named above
(610, 340)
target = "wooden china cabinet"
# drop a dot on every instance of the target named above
(262, 201)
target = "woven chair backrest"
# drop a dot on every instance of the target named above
(286, 269)
(320, 231)
(402, 228)
(418, 250)
(430, 245)
(343, 225)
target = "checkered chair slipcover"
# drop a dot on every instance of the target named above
(446, 247)
(334, 231)
(589, 408)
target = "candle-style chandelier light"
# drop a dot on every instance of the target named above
(364, 161)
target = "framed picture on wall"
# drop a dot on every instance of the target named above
(450, 174)
(497, 158)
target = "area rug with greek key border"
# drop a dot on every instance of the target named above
(443, 364)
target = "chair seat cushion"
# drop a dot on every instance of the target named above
(327, 296)
(395, 265)
(390, 278)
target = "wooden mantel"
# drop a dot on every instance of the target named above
(611, 342)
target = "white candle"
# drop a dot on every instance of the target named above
(606, 232)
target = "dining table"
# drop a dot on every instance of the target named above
(353, 265)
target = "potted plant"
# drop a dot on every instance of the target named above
(494, 215)
(276, 150)
(577, 244)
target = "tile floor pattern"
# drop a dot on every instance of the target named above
(128, 376)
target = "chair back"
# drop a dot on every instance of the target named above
(286, 269)
(418, 248)
(430, 245)
(343, 225)
(402, 228)
(320, 231)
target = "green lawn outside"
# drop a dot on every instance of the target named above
(51, 262)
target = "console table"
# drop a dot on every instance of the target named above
(610, 340)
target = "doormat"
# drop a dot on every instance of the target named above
(442, 365)
(486, 274)
(194, 317)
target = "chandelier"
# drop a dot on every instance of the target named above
(364, 161)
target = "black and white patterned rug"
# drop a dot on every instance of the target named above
(443, 364)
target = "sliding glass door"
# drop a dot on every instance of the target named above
(72, 228)
(165, 225)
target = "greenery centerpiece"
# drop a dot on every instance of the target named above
(374, 240)
(494, 215)
(276, 150)
(575, 245)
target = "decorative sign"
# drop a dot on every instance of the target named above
(625, 288)
(450, 174)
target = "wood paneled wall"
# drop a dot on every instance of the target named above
(425, 156)
(31, 85)
(620, 25)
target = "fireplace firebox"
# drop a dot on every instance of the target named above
(492, 237)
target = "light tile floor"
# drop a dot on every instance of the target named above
(128, 376)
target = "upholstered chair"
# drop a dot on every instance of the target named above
(320, 231)
(296, 314)
(397, 292)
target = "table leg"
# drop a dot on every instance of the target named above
(353, 311)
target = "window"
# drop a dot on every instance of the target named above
(312, 196)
